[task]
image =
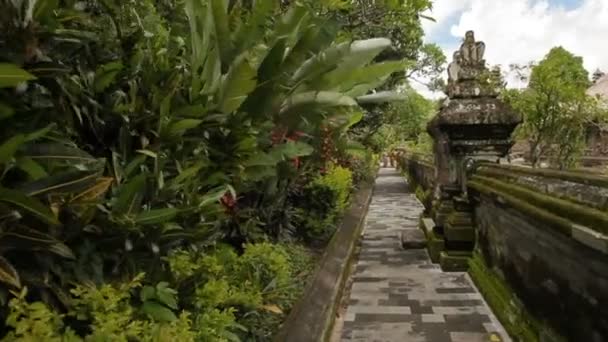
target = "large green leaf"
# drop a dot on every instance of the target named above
(253, 30)
(11, 75)
(156, 216)
(237, 84)
(320, 63)
(382, 97)
(69, 182)
(222, 31)
(32, 168)
(166, 295)
(10, 147)
(180, 127)
(129, 196)
(8, 274)
(344, 55)
(344, 79)
(293, 149)
(27, 239)
(262, 159)
(363, 52)
(28, 204)
(158, 312)
(105, 75)
(189, 172)
(53, 152)
(320, 99)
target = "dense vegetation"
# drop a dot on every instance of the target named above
(162, 161)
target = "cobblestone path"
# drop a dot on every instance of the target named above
(398, 295)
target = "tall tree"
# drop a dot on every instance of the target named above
(555, 107)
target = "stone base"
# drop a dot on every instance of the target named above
(426, 224)
(451, 261)
(435, 246)
(413, 239)
(435, 243)
(459, 233)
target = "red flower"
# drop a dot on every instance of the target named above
(228, 202)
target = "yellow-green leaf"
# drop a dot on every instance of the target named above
(273, 308)
(11, 75)
(8, 274)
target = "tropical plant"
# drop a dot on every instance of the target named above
(143, 131)
(555, 107)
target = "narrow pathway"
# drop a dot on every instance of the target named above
(399, 295)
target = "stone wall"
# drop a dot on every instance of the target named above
(543, 235)
(545, 232)
(421, 175)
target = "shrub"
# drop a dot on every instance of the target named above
(363, 167)
(242, 296)
(255, 288)
(108, 313)
(135, 130)
(322, 202)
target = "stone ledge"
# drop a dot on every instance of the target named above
(454, 261)
(413, 239)
(312, 318)
(568, 212)
(573, 176)
(582, 234)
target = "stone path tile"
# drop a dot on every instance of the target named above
(399, 295)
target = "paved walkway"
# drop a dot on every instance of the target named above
(399, 295)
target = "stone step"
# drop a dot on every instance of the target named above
(454, 261)
(436, 245)
(413, 239)
(459, 233)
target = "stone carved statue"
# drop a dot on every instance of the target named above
(471, 51)
(469, 56)
(454, 67)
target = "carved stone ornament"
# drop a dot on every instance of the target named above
(468, 57)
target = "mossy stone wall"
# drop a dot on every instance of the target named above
(541, 248)
(560, 282)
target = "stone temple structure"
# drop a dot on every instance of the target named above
(473, 125)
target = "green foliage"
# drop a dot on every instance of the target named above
(323, 200)
(144, 134)
(239, 297)
(109, 311)
(555, 107)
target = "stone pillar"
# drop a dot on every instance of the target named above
(473, 125)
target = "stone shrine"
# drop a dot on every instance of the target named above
(473, 125)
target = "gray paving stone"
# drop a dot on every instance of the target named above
(399, 295)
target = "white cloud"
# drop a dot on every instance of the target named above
(520, 31)
(443, 10)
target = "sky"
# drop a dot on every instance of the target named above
(521, 31)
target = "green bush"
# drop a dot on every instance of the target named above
(143, 134)
(322, 202)
(363, 168)
(236, 297)
(108, 312)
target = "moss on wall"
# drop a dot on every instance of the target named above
(520, 325)
(571, 176)
(560, 213)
